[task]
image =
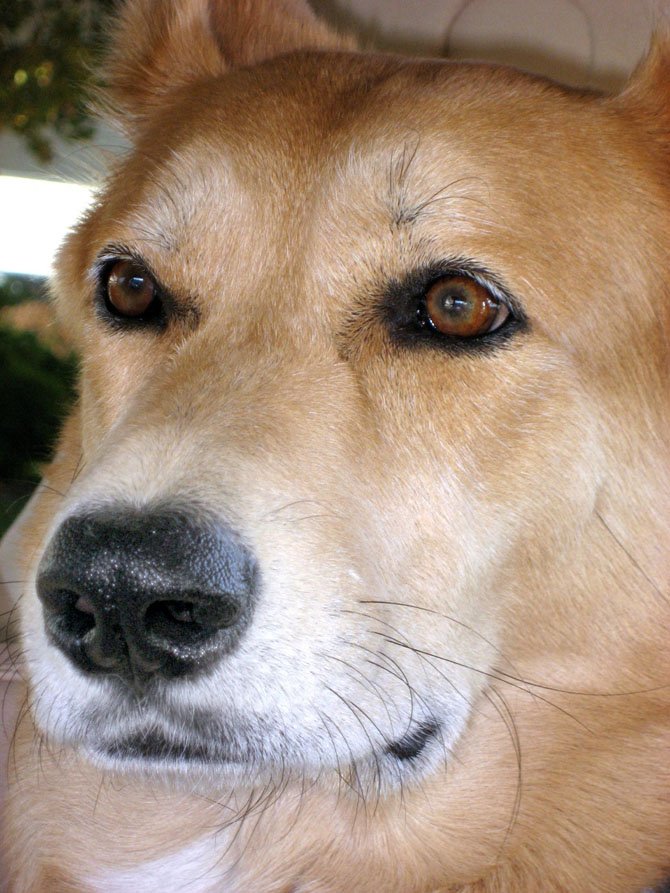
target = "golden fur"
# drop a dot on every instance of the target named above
(488, 529)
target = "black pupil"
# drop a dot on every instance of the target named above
(136, 282)
(456, 304)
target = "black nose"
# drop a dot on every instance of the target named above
(146, 593)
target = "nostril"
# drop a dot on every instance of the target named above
(74, 615)
(181, 612)
(189, 621)
(84, 605)
(171, 616)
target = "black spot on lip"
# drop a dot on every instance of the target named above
(411, 744)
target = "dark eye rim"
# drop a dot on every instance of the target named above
(158, 313)
(403, 307)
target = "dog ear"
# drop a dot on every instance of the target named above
(160, 45)
(647, 93)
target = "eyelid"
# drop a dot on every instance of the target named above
(113, 254)
(499, 293)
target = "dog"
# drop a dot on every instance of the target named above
(351, 569)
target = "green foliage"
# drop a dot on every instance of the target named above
(37, 389)
(48, 48)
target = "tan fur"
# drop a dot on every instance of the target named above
(518, 499)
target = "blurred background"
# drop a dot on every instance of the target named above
(52, 153)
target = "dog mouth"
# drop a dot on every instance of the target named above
(156, 745)
(245, 749)
(165, 732)
(159, 737)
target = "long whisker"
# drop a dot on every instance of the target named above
(397, 673)
(442, 615)
(360, 790)
(355, 710)
(632, 559)
(338, 765)
(516, 682)
(363, 681)
(498, 674)
(504, 711)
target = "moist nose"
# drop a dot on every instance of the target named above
(146, 593)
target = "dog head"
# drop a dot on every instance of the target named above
(372, 406)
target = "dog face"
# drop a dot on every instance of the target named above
(270, 394)
(370, 351)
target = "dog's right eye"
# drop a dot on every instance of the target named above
(130, 292)
(460, 307)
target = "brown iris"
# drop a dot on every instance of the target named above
(463, 308)
(130, 289)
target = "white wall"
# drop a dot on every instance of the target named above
(587, 42)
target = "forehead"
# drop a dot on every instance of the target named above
(305, 116)
(310, 120)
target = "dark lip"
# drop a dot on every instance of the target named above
(204, 743)
(156, 747)
(157, 733)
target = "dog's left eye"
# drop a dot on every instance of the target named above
(130, 292)
(463, 308)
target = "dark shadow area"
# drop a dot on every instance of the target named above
(37, 384)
